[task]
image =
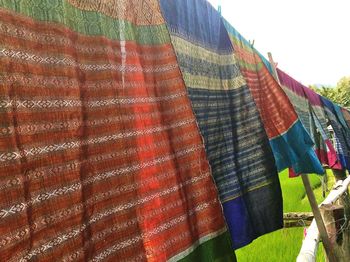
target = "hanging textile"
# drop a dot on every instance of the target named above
(341, 131)
(295, 92)
(100, 153)
(340, 117)
(346, 115)
(291, 144)
(236, 143)
(324, 147)
(308, 106)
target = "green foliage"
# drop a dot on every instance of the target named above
(343, 91)
(284, 245)
(339, 94)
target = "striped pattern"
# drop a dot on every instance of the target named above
(296, 94)
(100, 153)
(309, 108)
(341, 131)
(145, 12)
(346, 115)
(236, 143)
(324, 148)
(291, 144)
(92, 23)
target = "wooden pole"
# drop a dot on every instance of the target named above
(342, 252)
(318, 218)
(310, 195)
(274, 70)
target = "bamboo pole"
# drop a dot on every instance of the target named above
(308, 216)
(310, 243)
(310, 195)
(297, 219)
(274, 70)
(340, 188)
(318, 218)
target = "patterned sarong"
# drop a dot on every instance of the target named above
(236, 143)
(308, 105)
(290, 142)
(296, 94)
(324, 148)
(100, 153)
(341, 131)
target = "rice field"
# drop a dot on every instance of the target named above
(284, 245)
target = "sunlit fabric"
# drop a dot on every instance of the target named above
(236, 143)
(100, 154)
(291, 144)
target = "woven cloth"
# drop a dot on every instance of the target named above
(236, 143)
(308, 105)
(291, 144)
(341, 131)
(100, 154)
(346, 115)
(324, 148)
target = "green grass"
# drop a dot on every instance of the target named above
(284, 245)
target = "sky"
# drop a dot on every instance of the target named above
(309, 39)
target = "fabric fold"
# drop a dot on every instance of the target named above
(236, 143)
(290, 142)
(346, 115)
(341, 132)
(100, 153)
(308, 106)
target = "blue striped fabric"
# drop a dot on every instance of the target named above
(291, 144)
(236, 143)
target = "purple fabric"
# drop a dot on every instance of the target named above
(299, 88)
(291, 83)
(313, 97)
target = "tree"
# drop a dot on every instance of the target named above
(343, 92)
(339, 94)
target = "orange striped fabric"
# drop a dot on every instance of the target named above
(100, 154)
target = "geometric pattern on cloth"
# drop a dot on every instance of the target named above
(317, 108)
(324, 148)
(308, 106)
(341, 131)
(100, 154)
(145, 12)
(295, 92)
(346, 114)
(290, 142)
(236, 142)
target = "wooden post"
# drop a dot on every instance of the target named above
(318, 218)
(324, 185)
(274, 70)
(310, 195)
(338, 200)
(342, 252)
(339, 174)
(297, 219)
